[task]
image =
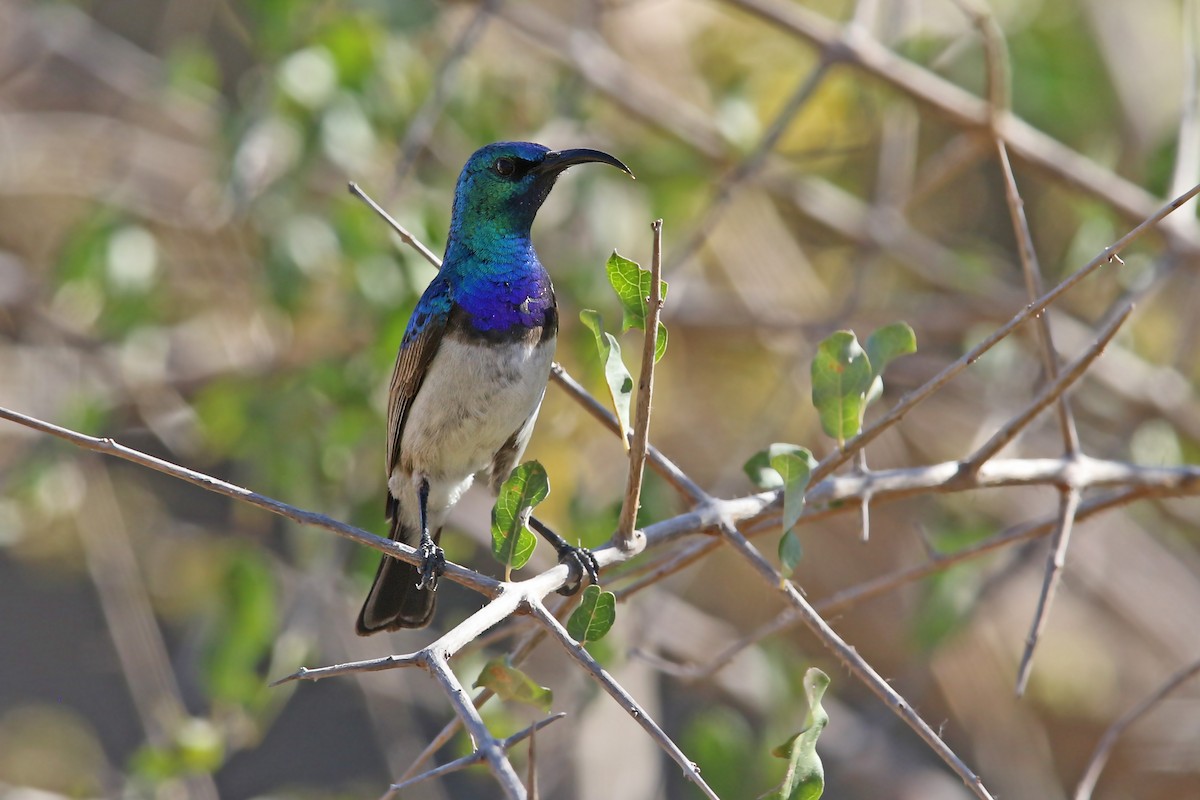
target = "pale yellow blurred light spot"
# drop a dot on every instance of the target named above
(1155, 444)
(79, 303)
(61, 490)
(12, 523)
(380, 279)
(132, 259)
(143, 356)
(310, 243)
(309, 77)
(347, 137)
(51, 748)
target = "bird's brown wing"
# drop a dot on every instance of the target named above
(417, 350)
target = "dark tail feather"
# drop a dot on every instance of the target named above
(394, 601)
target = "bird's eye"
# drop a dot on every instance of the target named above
(504, 167)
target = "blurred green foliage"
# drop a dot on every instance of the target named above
(214, 296)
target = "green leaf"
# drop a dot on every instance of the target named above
(595, 616)
(616, 375)
(632, 285)
(805, 776)
(889, 343)
(790, 552)
(510, 683)
(759, 468)
(512, 542)
(884, 346)
(793, 467)
(841, 376)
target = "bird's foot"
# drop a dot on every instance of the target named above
(581, 561)
(433, 564)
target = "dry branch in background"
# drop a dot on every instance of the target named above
(151, 171)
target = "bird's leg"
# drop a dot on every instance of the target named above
(434, 563)
(579, 559)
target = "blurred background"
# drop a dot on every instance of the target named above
(182, 268)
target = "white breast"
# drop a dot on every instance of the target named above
(473, 398)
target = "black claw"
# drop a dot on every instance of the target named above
(582, 562)
(432, 566)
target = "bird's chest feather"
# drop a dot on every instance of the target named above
(475, 396)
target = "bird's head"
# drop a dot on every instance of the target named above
(504, 184)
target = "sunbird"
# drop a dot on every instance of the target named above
(471, 371)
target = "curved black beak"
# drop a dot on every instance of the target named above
(558, 160)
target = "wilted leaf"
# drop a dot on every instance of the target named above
(510, 683)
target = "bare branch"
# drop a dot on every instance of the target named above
(910, 400)
(1099, 758)
(658, 462)
(400, 230)
(854, 662)
(625, 537)
(964, 109)
(492, 748)
(371, 665)
(623, 698)
(474, 758)
(1049, 393)
(421, 125)
(1068, 505)
(470, 579)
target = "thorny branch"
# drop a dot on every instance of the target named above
(1074, 471)
(726, 514)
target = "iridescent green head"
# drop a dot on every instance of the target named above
(504, 184)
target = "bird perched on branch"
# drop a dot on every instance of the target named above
(471, 371)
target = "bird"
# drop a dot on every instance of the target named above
(471, 372)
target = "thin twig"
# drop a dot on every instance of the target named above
(1033, 287)
(352, 667)
(492, 748)
(516, 656)
(998, 96)
(1099, 758)
(1187, 148)
(1049, 394)
(845, 599)
(963, 109)
(472, 580)
(400, 230)
(753, 163)
(854, 662)
(626, 537)
(1068, 505)
(421, 124)
(658, 462)
(623, 698)
(475, 757)
(912, 399)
